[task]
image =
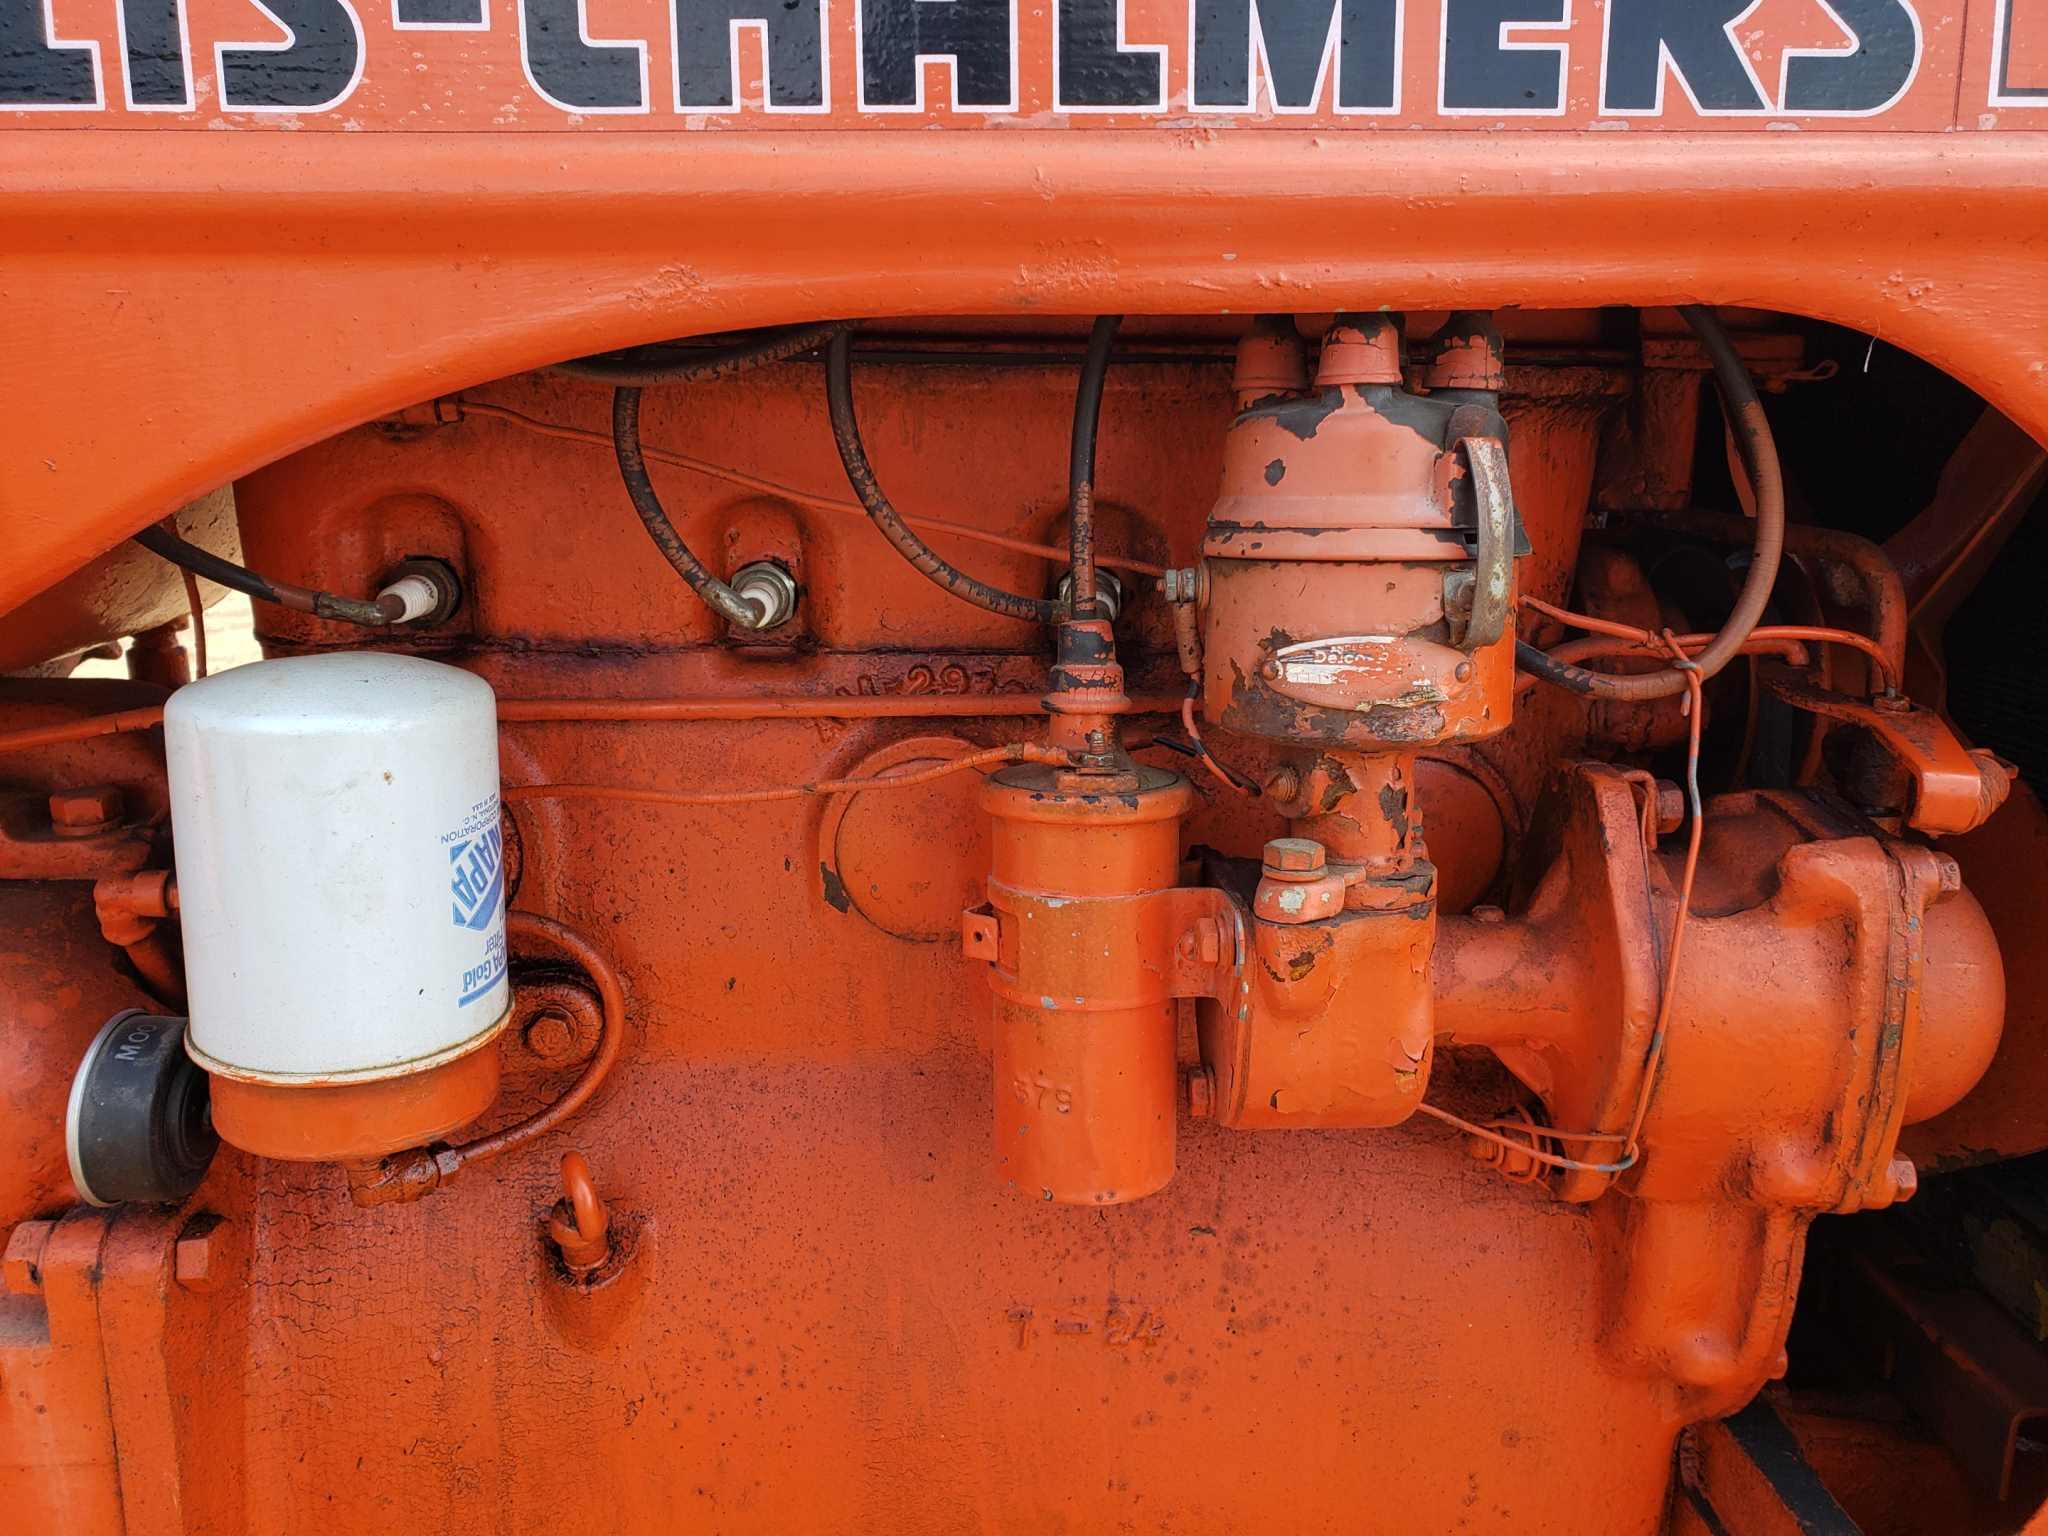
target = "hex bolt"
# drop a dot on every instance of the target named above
(1294, 858)
(21, 1267)
(1201, 1093)
(83, 812)
(1202, 942)
(549, 1035)
(197, 1261)
(1903, 1178)
(1670, 807)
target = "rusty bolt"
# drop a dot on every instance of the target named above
(1201, 1093)
(1202, 941)
(1903, 1177)
(1670, 807)
(1294, 857)
(198, 1262)
(82, 812)
(550, 1036)
(1487, 913)
(21, 1268)
(1284, 783)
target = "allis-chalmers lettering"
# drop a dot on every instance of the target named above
(1493, 58)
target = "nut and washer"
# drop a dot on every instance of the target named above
(1294, 858)
(83, 812)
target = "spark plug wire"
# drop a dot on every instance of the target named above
(1745, 412)
(674, 363)
(384, 610)
(720, 598)
(485, 410)
(860, 474)
(1081, 466)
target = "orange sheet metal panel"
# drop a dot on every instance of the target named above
(370, 207)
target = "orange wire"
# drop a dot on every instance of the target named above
(1695, 707)
(1187, 720)
(1587, 622)
(1763, 633)
(1534, 1153)
(1021, 752)
(788, 492)
(735, 707)
(1632, 1148)
(82, 730)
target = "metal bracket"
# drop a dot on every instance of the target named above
(1494, 558)
(1950, 790)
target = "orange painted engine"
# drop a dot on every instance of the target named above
(1208, 927)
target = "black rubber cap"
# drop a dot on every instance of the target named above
(140, 1126)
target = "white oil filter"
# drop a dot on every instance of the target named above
(340, 867)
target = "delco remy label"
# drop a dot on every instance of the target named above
(501, 65)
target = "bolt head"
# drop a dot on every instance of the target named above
(86, 810)
(549, 1036)
(1670, 808)
(194, 1262)
(1903, 1178)
(1294, 856)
